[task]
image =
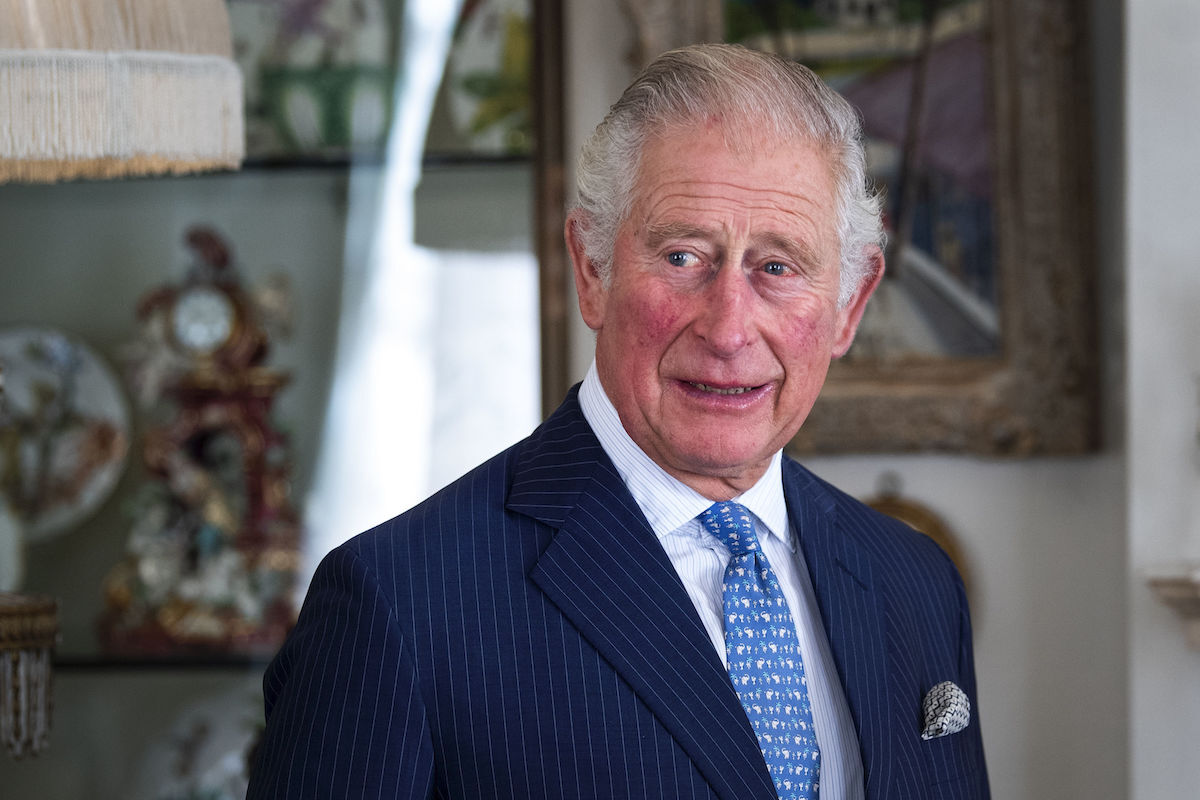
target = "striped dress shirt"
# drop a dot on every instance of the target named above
(672, 510)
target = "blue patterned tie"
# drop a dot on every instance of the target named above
(764, 659)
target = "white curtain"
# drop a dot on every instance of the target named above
(437, 362)
(376, 444)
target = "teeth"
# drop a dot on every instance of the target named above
(735, 390)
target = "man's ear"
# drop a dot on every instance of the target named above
(589, 286)
(850, 314)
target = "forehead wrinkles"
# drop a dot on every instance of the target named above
(729, 208)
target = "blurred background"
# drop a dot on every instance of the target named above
(370, 307)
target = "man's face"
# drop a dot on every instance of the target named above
(717, 328)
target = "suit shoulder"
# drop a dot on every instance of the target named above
(890, 540)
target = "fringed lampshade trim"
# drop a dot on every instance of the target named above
(28, 635)
(80, 114)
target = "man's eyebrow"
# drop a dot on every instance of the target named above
(657, 235)
(796, 250)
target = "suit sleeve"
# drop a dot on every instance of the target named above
(957, 764)
(979, 788)
(344, 713)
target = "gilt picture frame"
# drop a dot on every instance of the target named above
(1034, 389)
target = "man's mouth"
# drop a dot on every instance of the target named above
(704, 387)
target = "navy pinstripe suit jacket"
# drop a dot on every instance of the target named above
(522, 634)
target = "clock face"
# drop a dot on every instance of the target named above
(202, 320)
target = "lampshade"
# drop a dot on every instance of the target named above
(107, 88)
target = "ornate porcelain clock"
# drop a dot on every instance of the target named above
(212, 553)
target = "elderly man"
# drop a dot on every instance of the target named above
(646, 598)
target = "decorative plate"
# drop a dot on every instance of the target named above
(64, 430)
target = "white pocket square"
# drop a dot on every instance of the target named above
(947, 710)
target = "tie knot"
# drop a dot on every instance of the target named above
(731, 523)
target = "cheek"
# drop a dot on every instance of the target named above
(652, 321)
(806, 339)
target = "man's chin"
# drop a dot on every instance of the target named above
(712, 466)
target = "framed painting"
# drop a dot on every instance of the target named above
(982, 338)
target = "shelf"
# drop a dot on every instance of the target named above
(1179, 589)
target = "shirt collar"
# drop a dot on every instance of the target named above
(668, 503)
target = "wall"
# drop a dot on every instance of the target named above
(1044, 538)
(1162, 173)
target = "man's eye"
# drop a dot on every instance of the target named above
(681, 258)
(775, 268)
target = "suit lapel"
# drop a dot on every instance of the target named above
(609, 576)
(850, 601)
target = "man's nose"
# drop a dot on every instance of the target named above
(724, 322)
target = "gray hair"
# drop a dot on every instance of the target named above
(689, 84)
